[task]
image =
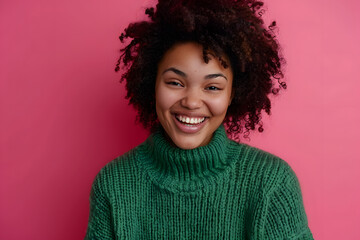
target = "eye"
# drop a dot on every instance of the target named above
(174, 83)
(213, 88)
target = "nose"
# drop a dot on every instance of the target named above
(191, 100)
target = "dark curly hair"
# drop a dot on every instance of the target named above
(231, 27)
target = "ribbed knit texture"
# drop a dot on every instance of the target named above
(223, 190)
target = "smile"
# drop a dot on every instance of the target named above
(190, 120)
(189, 125)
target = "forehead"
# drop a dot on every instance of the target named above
(189, 57)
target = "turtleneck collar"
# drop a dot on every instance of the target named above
(179, 170)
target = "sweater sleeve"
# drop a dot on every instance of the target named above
(100, 225)
(283, 214)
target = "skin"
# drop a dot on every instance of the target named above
(186, 86)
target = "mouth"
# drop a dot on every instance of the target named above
(191, 121)
(189, 125)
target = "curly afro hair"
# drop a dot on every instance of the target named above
(231, 27)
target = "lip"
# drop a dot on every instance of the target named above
(189, 114)
(186, 128)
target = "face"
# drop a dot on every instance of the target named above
(192, 96)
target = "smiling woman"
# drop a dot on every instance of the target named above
(193, 68)
(192, 96)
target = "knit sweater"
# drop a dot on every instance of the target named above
(224, 190)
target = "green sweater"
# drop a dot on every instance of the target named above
(223, 190)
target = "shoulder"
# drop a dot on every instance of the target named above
(275, 199)
(264, 169)
(120, 170)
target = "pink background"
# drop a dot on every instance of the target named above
(63, 115)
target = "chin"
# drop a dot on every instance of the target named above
(188, 142)
(187, 145)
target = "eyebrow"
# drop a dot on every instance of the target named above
(182, 74)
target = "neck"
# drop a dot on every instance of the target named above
(186, 170)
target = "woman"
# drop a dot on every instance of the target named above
(193, 68)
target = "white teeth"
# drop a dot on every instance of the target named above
(190, 120)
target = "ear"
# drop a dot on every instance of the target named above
(232, 96)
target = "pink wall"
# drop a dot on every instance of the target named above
(63, 114)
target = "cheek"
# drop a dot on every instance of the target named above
(164, 100)
(218, 106)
